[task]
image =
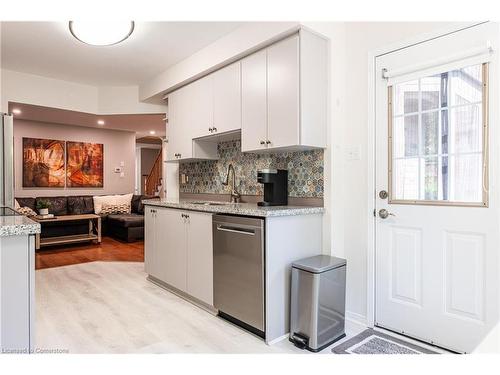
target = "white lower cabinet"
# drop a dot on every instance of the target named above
(17, 291)
(178, 250)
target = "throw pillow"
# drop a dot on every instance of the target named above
(26, 211)
(103, 199)
(124, 199)
(109, 209)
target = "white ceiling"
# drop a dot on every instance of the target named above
(48, 49)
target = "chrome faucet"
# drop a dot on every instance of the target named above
(235, 195)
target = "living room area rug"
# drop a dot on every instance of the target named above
(374, 342)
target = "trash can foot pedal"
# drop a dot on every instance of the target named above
(300, 341)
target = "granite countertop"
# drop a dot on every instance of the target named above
(244, 209)
(17, 225)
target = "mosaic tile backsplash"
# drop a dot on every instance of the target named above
(305, 171)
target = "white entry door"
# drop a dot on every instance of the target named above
(437, 201)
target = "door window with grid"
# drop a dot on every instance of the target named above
(437, 138)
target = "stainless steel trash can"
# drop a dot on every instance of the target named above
(317, 311)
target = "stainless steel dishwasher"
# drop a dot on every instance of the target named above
(239, 270)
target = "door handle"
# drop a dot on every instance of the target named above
(384, 214)
(235, 230)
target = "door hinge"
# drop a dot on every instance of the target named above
(374, 212)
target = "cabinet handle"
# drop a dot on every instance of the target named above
(262, 142)
(214, 128)
(268, 142)
(210, 130)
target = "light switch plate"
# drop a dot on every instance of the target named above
(122, 174)
(122, 164)
(353, 153)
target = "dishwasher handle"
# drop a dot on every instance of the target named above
(233, 229)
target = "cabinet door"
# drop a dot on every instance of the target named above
(201, 107)
(227, 98)
(200, 257)
(180, 130)
(172, 126)
(150, 263)
(185, 131)
(283, 93)
(171, 244)
(254, 102)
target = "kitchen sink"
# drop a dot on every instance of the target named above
(212, 203)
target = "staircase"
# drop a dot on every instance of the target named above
(154, 181)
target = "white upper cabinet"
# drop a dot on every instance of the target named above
(292, 105)
(201, 106)
(283, 124)
(179, 140)
(254, 102)
(189, 114)
(227, 99)
(276, 96)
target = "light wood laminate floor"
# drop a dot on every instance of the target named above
(110, 307)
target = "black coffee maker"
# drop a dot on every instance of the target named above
(275, 186)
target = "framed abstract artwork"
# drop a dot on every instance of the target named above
(84, 164)
(43, 163)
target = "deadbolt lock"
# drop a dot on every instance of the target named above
(383, 194)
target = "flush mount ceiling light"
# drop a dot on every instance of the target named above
(16, 111)
(100, 122)
(101, 33)
(152, 132)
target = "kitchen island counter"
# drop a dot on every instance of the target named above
(17, 225)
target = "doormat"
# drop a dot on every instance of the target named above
(374, 342)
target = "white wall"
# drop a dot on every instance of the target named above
(49, 92)
(116, 100)
(119, 146)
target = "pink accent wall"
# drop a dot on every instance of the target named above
(118, 146)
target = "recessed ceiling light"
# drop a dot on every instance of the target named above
(152, 132)
(101, 33)
(16, 111)
(100, 122)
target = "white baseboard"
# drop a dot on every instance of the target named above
(278, 339)
(355, 322)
